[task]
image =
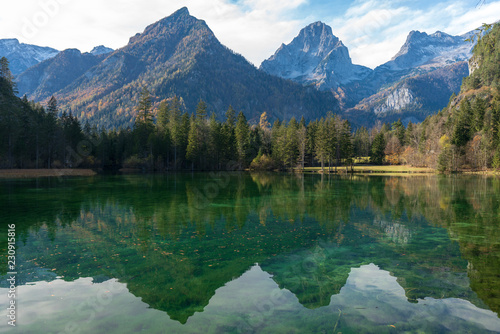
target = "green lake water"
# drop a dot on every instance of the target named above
(253, 253)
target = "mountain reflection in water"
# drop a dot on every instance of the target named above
(256, 253)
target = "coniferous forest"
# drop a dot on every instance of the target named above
(463, 136)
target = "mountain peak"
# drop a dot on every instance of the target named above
(421, 48)
(315, 56)
(414, 36)
(316, 35)
(318, 27)
(180, 23)
(100, 50)
(181, 12)
(22, 56)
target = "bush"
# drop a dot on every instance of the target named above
(496, 161)
(263, 162)
(134, 162)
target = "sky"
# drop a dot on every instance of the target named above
(374, 31)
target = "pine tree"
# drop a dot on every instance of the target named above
(192, 151)
(478, 111)
(290, 149)
(321, 150)
(399, 131)
(346, 145)
(52, 106)
(175, 127)
(163, 116)
(215, 142)
(231, 117)
(361, 145)
(302, 143)
(463, 129)
(378, 148)
(265, 128)
(144, 126)
(196, 150)
(242, 139)
(50, 130)
(311, 133)
(6, 74)
(144, 108)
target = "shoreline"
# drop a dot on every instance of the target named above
(358, 170)
(33, 173)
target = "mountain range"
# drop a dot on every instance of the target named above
(23, 56)
(179, 55)
(416, 82)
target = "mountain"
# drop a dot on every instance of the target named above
(412, 98)
(406, 86)
(22, 56)
(46, 78)
(315, 57)
(418, 81)
(180, 55)
(430, 51)
(100, 50)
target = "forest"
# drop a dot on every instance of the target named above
(463, 136)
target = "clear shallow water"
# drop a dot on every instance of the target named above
(254, 253)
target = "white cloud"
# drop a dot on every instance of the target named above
(254, 28)
(373, 30)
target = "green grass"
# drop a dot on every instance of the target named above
(377, 169)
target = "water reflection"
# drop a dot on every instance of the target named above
(371, 300)
(179, 243)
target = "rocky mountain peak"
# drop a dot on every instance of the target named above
(439, 49)
(22, 56)
(176, 26)
(100, 50)
(315, 56)
(316, 39)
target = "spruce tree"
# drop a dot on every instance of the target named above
(242, 139)
(321, 150)
(378, 147)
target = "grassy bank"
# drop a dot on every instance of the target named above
(377, 169)
(30, 173)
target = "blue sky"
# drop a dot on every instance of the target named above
(372, 30)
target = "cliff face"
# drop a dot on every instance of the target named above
(315, 57)
(415, 97)
(397, 100)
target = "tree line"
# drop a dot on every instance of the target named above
(464, 135)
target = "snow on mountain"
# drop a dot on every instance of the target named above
(100, 50)
(22, 56)
(315, 56)
(430, 51)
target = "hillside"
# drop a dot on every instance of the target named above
(412, 98)
(22, 56)
(465, 134)
(180, 55)
(45, 79)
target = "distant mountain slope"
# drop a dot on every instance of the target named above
(45, 79)
(100, 50)
(418, 81)
(180, 55)
(22, 56)
(403, 87)
(413, 98)
(432, 51)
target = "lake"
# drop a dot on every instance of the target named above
(253, 253)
